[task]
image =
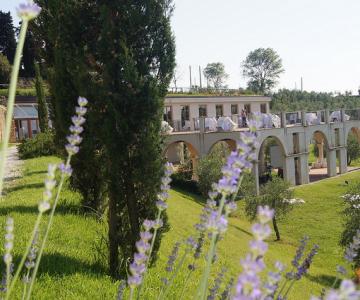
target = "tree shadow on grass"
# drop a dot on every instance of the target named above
(61, 209)
(56, 264)
(23, 187)
(34, 173)
(324, 280)
(242, 230)
(190, 196)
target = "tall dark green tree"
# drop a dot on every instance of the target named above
(41, 100)
(7, 36)
(120, 55)
(263, 68)
(138, 51)
(29, 55)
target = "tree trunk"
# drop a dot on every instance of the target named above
(276, 229)
(132, 211)
(113, 237)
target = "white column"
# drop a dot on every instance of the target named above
(331, 163)
(304, 169)
(343, 160)
(289, 170)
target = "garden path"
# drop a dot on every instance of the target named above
(13, 169)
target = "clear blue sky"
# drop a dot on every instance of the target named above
(317, 39)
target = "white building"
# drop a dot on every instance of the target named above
(183, 111)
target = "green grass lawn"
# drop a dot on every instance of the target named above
(72, 267)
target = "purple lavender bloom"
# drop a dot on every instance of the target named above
(65, 170)
(352, 250)
(134, 281)
(213, 292)
(28, 11)
(9, 240)
(172, 257)
(145, 236)
(265, 214)
(216, 224)
(140, 258)
(261, 231)
(76, 129)
(148, 225)
(301, 271)
(161, 205)
(258, 247)
(142, 246)
(74, 139)
(158, 224)
(346, 291)
(300, 251)
(137, 268)
(71, 149)
(78, 120)
(82, 101)
(81, 110)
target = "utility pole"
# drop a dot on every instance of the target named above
(302, 86)
(190, 78)
(200, 77)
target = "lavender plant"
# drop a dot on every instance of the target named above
(33, 253)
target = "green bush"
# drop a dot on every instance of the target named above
(209, 167)
(41, 145)
(5, 69)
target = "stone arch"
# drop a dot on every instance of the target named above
(278, 163)
(193, 151)
(230, 142)
(312, 131)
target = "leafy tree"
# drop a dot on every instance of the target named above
(353, 148)
(209, 167)
(41, 99)
(5, 69)
(263, 68)
(276, 194)
(121, 57)
(7, 36)
(215, 74)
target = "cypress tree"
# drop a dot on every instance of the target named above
(41, 100)
(137, 48)
(120, 55)
(7, 36)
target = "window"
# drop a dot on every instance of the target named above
(263, 108)
(219, 110)
(185, 114)
(234, 109)
(202, 111)
(167, 114)
(247, 108)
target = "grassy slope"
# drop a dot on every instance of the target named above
(70, 271)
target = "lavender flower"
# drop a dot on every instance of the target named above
(28, 11)
(213, 292)
(306, 263)
(273, 279)
(9, 240)
(249, 285)
(300, 251)
(74, 139)
(352, 250)
(226, 293)
(66, 170)
(172, 257)
(121, 289)
(347, 291)
(138, 266)
(50, 184)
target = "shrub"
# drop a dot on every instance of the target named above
(5, 69)
(41, 145)
(352, 217)
(209, 167)
(275, 194)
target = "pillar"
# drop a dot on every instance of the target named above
(303, 118)
(194, 162)
(289, 170)
(343, 160)
(320, 147)
(327, 116)
(283, 119)
(331, 163)
(304, 169)
(255, 172)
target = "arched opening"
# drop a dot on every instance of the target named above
(271, 159)
(353, 149)
(184, 157)
(228, 144)
(318, 159)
